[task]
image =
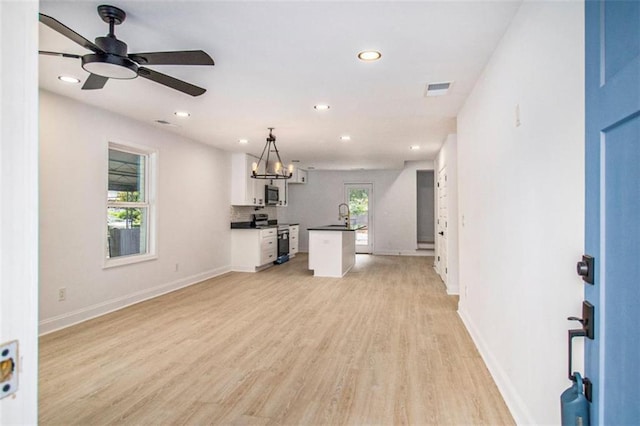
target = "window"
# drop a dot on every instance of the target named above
(130, 205)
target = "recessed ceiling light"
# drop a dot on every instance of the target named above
(369, 55)
(68, 79)
(243, 141)
(345, 138)
(321, 107)
(182, 114)
(414, 147)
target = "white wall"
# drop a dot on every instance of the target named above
(394, 211)
(19, 202)
(193, 197)
(522, 200)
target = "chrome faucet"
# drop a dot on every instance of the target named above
(342, 215)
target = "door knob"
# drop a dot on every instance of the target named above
(587, 331)
(441, 233)
(580, 320)
(587, 321)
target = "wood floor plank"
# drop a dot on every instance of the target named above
(383, 345)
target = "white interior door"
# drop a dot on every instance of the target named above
(441, 225)
(359, 197)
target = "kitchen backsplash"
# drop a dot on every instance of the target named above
(243, 213)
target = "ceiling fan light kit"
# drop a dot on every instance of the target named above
(272, 169)
(110, 66)
(109, 57)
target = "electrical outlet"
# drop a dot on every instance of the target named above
(177, 267)
(62, 294)
(8, 368)
(517, 116)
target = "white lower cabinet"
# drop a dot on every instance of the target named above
(294, 234)
(253, 249)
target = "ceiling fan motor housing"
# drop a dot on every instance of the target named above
(114, 63)
(112, 45)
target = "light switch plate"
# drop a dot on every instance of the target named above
(8, 368)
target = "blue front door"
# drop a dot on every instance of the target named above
(613, 207)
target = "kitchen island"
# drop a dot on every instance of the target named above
(332, 250)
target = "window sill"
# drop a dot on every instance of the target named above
(128, 260)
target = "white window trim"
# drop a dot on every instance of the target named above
(150, 188)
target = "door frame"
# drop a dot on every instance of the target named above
(441, 243)
(370, 231)
(434, 205)
(19, 210)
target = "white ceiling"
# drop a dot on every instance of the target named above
(276, 60)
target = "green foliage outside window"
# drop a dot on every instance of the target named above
(358, 202)
(132, 217)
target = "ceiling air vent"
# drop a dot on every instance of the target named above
(437, 89)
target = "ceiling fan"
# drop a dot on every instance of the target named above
(111, 60)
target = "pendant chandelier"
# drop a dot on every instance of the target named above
(268, 166)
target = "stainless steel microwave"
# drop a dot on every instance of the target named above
(271, 195)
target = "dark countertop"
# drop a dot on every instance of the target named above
(336, 228)
(247, 225)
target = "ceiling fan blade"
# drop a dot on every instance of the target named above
(181, 57)
(169, 81)
(64, 55)
(68, 33)
(94, 81)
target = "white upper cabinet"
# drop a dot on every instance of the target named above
(299, 176)
(245, 191)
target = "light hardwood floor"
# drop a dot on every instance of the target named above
(382, 346)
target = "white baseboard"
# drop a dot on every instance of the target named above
(404, 253)
(454, 291)
(515, 403)
(426, 246)
(251, 269)
(49, 325)
(240, 268)
(417, 252)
